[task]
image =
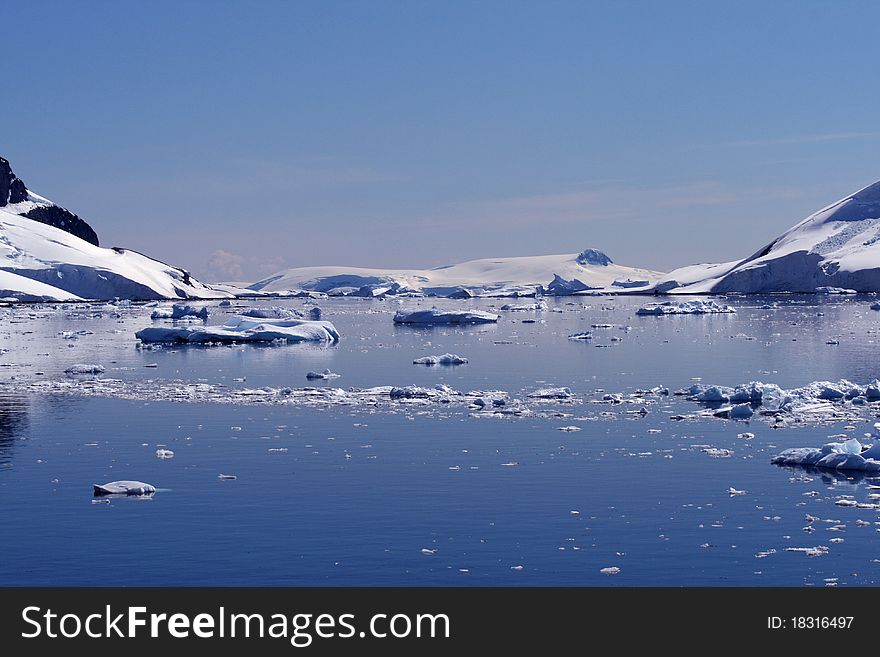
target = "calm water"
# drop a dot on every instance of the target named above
(358, 496)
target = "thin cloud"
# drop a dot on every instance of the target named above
(808, 139)
(615, 203)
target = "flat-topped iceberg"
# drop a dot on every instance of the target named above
(445, 359)
(848, 455)
(275, 312)
(245, 329)
(180, 311)
(438, 316)
(692, 307)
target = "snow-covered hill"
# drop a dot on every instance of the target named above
(838, 246)
(553, 274)
(49, 254)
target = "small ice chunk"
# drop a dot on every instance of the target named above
(552, 393)
(82, 368)
(445, 359)
(124, 487)
(326, 374)
(438, 316)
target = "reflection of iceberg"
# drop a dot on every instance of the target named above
(14, 412)
(831, 476)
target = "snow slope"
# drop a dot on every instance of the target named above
(481, 277)
(838, 246)
(68, 267)
(49, 254)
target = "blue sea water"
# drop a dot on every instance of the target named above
(415, 497)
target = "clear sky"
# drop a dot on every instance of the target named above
(236, 138)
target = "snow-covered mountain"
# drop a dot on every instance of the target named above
(838, 246)
(49, 254)
(552, 274)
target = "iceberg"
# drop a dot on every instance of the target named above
(82, 368)
(445, 359)
(693, 307)
(438, 316)
(124, 488)
(848, 455)
(180, 311)
(244, 329)
(276, 312)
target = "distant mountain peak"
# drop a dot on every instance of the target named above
(13, 192)
(593, 257)
(12, 189)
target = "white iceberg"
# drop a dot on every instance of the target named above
(124, 488)
(692, 307)
(439, 316)
(322, 376)
(848, 455)
(552, 393)
(275, 312)
(445, 359)
(84, 368)
(180, 311)
(245, 329)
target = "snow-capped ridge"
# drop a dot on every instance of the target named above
(836, 247)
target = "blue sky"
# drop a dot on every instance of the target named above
(235, 138)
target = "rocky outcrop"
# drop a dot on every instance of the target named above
(13, 191)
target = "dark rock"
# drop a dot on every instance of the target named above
(63, 219)
(13, 190)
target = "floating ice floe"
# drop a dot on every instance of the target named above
(827, 289)
(818, 401)
(124, 488)
(83, 368)
(445, 359)
(438, 316)
(692, 307)
(326, 374)
(180, 311)
(848, 455)
(244, 329)
(537, 306)
(552, 393)
(274, 312)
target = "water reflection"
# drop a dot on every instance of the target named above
(833, 476)
(14, 421)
